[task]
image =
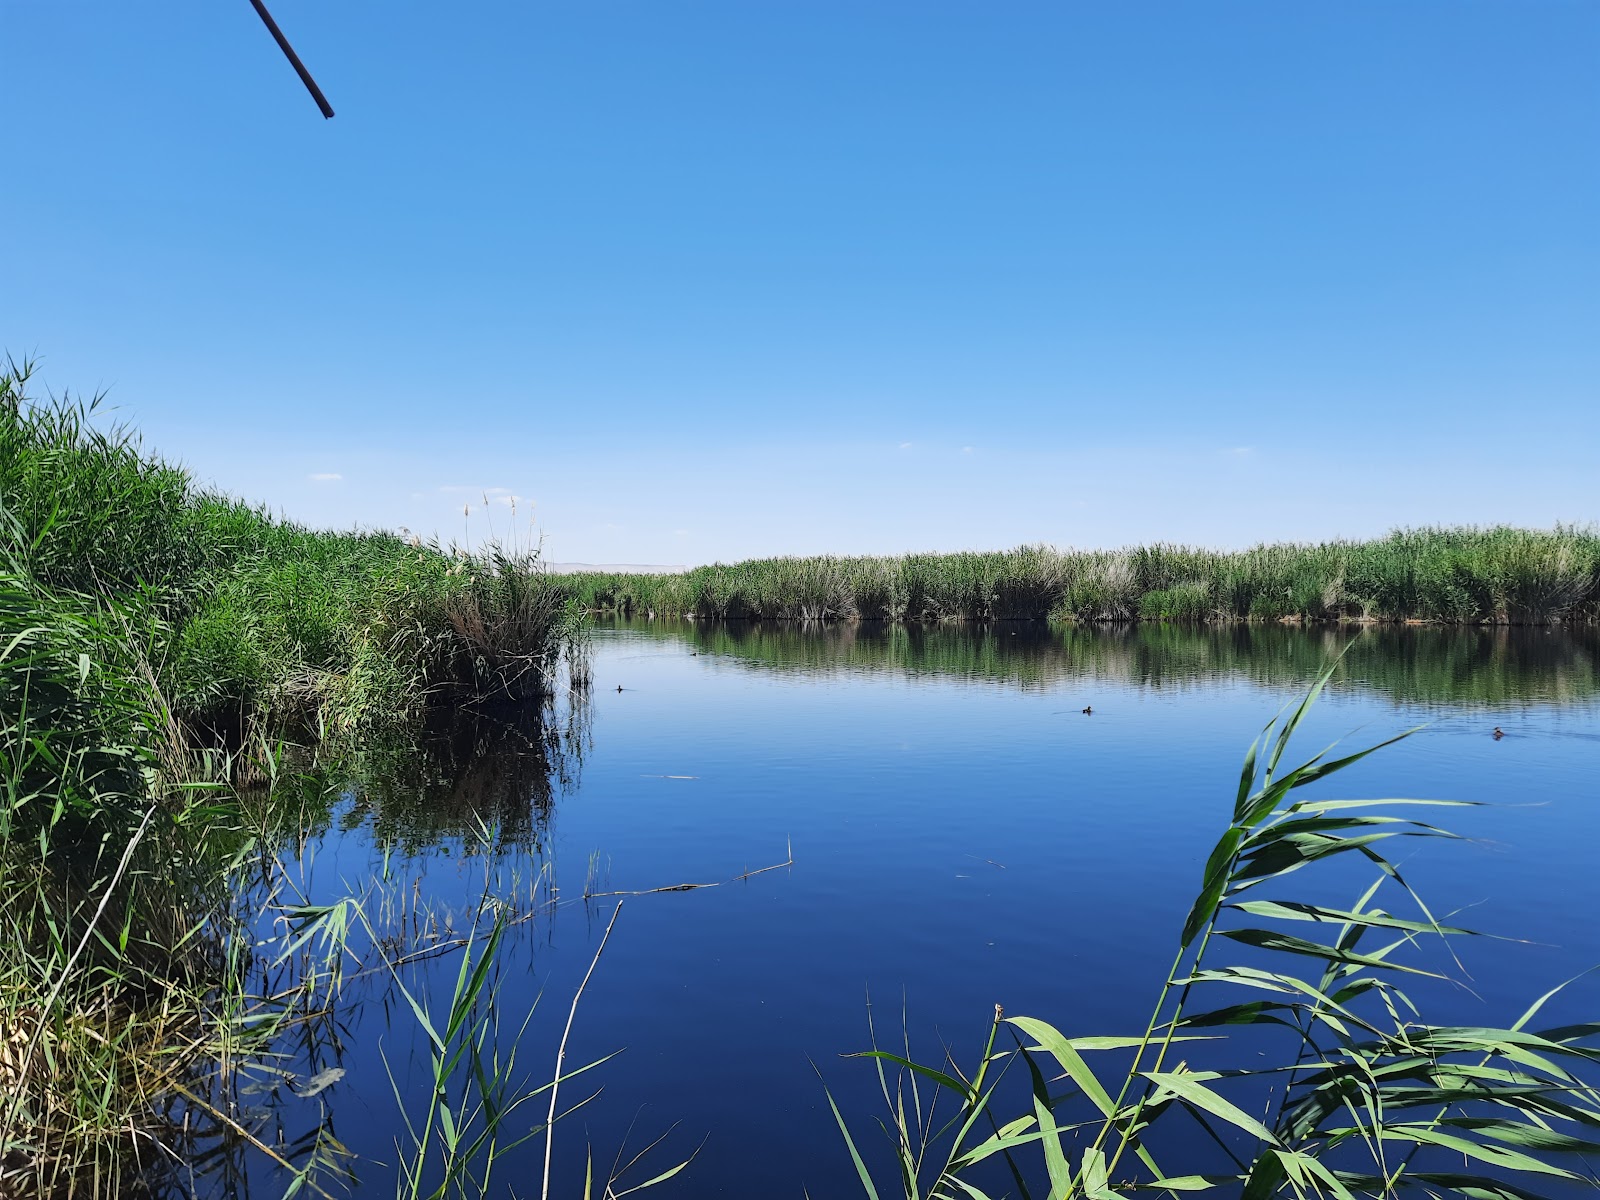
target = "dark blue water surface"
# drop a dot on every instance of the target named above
(962, 835)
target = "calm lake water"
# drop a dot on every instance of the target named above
(962, 835)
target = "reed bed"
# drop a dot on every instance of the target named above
(167, 981)
(1467, 575)
(110, 833)
(245, 619)
(156, 642)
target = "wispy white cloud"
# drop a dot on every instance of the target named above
(1240, 451)
(966, 449)
(905, 445)
(325, 477)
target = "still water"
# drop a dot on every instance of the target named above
(960, 834)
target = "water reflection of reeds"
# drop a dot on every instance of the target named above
(468, 773)
(1489, 665)
(481, 786)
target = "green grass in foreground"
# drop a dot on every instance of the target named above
(154, 637)
(1494, 575)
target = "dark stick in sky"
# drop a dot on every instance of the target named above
(294, 59)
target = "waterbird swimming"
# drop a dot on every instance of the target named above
(1498, 733)
(1089, 710)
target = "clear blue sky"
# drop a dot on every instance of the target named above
(709, 280)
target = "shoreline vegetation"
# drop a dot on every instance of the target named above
(179, 672)
(242, 621)
(1464, 575)
(172, 664)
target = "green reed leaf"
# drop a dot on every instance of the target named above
(944, 1080)
(1270, 939)
(1293, 910)
(1215, 883)
(1495, 1155)
(1190, 1088)
(855, 1155)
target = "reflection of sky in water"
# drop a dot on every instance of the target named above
(962, 836)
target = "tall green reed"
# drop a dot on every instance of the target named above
(1493, 575)
(156, 641)
(110, 832)
(247, 621)
(1357, 1095)
(469, 1103)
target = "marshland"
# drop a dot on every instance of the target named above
(353, 863)
(1096, 689)
(1474, 576)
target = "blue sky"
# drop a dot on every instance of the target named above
(705, 280)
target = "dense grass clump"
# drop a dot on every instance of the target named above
(1495, 576)
(242, 615)
(153, 636)
(110, 838)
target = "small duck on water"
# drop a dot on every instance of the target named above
(1498, 733)
(1089, 711)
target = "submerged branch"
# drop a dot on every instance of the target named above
(690, 887)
